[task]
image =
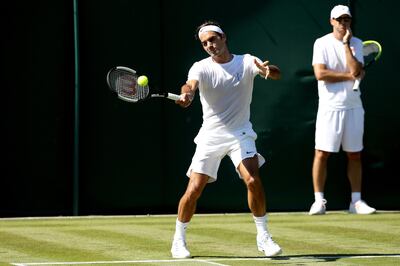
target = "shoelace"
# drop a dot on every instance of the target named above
(180, 243)
(267, 238)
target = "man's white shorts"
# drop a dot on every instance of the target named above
(211, 150)
(339, 127)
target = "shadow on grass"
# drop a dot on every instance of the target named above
(319, 257)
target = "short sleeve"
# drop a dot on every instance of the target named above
(254, 68)
(318, 53)
(195, 72)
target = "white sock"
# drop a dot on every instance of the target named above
(319, 196)
(180, 230)
(261, 224)
(355, 196)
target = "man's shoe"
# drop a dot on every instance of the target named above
(361, 207)
(318, 207)
(179, 249)
(267, 245)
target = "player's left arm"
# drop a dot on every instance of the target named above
(355, 66)
(268, 71)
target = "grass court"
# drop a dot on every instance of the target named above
(337, 238)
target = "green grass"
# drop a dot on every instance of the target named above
(337, 238)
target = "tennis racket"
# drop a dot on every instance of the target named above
(123, 81)
(372, 50)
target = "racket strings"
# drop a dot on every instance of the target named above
(125, 85)
(371, 53)
(370, 49)
(142, 92)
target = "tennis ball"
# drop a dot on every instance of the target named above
(143, 81)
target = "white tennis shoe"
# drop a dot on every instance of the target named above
(318, 207)
(179, 249)
(361, 207)
(267, 245)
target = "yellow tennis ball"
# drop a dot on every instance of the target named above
(143, 81)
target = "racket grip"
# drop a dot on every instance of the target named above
(356, 84)
(174, 97)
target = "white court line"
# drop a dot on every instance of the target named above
(168, 215)
(212, 261)
(118, 262)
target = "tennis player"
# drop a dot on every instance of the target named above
(337, 62)
(225, 82)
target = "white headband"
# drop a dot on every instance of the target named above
(210, 28)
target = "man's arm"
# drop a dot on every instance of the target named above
(354, 66)
(188, 91)
(265, 69)
(322, 73)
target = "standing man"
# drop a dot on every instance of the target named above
(337, 62)
(225, 82)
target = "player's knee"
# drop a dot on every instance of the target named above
(354, 155)
(193, 192)
(321, 155)
(252, 183)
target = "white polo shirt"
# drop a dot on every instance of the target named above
(330, 52)
(225, 93)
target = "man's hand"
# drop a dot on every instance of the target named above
(347, 36)
(187, 96)
(267, 70)
(361, 75)
(263, 67)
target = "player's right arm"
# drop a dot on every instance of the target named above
(188, 91)
(321, 72)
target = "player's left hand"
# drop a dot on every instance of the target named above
(347, 36)
(267, 70)
(263, 67)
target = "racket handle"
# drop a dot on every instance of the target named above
(172, 96)
(356, 84)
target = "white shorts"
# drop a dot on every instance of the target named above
(211, 150)
(339, 127)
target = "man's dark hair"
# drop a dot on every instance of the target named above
(206, 23)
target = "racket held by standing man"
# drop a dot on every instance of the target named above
(372, 50)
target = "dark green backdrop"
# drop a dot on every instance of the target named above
(133, 158)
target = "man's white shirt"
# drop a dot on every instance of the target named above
(225, 93)
(330, 52)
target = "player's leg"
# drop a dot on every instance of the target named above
(247, 161)
(203, 170)
(319, 170)
(327, 139)
(319, 174)
(248, 170)
(354, 170)
(186, 209)
(187, 204)
(353, 144)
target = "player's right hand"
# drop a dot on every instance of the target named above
(185, 100)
